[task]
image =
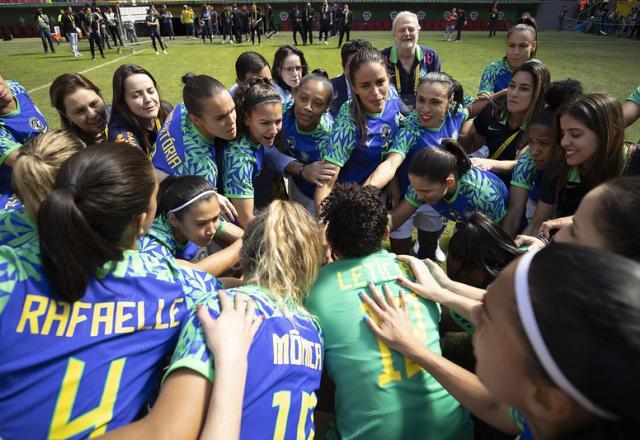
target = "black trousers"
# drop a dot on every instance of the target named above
(298, 29)
(344, 30)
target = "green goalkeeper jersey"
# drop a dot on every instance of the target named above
(379, 393)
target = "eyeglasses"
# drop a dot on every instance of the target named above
(291, 70)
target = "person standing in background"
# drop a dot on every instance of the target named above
(205, 24)
(237, 24)
(42, 21)
(270, 27)
(68, 25)
(563, 14)
(91, 28)
(153, 25)
(295, 17)
(325, 22)
(335, 14)
(112, 26)
(493, 19)
(244, 14)
(345, 25)
(308, 18)
(227, 24)
(215, 30)
(104, 36)
(187, 19)
(167, 24)
(460, 22)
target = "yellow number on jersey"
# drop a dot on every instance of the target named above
(282, 400)
(389, 372)
(97, 419)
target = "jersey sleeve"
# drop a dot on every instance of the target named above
(635, 97)
(412, 198)
(488, 80)
(8, 144)
(343, 137)
(237, 174)
(191, 351)
(404, 141)
(490, 197)
(524, 171)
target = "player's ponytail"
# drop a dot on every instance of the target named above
(37, 165)
(437, 163)
(87, 218)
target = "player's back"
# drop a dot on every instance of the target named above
(379, 393)
(69, 370)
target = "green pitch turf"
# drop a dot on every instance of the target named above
(602, 64)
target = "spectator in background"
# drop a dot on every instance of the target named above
(237, 24)
(205, 24)
(451, 24)
(130, 31)
(244, 15)
(187, 19)
(295, 17)
(214, 22)
(325, 22)
(563, 14)
(42, 21)
(153, 25)
(493, 20)
(102, 20)
(345, 24)
(91, 28)
(68, 25)
(112, 26)
(167, 24)
(227, 24)
(308, 18)
(270, 27)
(461, 21)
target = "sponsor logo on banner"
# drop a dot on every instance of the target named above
(284, 15)
(421, 15)
(366, 15)
(393, 15)
(473, 15)
(500, 15)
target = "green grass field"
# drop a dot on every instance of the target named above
(602, 64)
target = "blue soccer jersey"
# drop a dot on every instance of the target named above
(496, 77)
(413, 137)
(358, 160)
(16, 128)
(181, 149)
(16, 225)
(284, 367)
(477, 190)
(73, 370)
(307, 147)
(243, 161)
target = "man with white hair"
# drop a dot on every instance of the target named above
(406, 60)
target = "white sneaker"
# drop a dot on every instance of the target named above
(440, 256)
(325, 42)
(164, 51)
(157, 53)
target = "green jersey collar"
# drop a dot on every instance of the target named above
(393, 56)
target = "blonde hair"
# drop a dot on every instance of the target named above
(37, 165)
(282, 252)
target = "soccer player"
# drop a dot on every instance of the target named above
(631, 107)
(259, 110)
(502, 129)
(439, 114)
(87, 320)
(306, 131)
(522, 44)
(20, 120)
(281, 256)
(541, 153)
(407, 61)
(186, 144)
(366, 125)
(444, 178)
(289, 67)
(591, 136)
(379, 394)
(81, 107)
(32, 176)
(137, 113)
(189, 213)
(532, 368)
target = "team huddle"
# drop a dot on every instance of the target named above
(265, 261)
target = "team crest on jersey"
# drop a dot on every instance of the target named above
(385, 131)
(37, 124)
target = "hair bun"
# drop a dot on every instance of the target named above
(563, 91)
(186, 77)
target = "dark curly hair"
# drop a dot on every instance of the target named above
(356, 219)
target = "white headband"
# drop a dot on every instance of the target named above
(198, 197)
(527, 316)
